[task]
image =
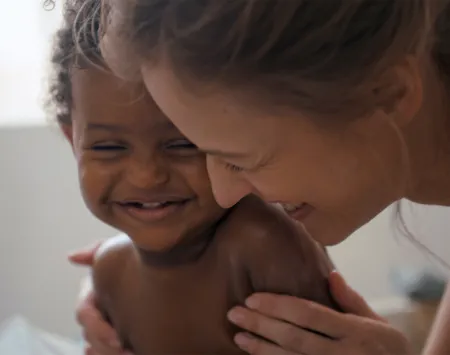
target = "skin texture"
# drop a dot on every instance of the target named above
(252, 247)
(346, 173)
(364, 332)
(173, 313)
(127, 150)
(421, 179)
(398, 151)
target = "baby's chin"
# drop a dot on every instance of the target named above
(170, 248)
(156, 247)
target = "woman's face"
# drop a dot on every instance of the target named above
(333, 180)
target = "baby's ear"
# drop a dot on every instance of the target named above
(67, 130)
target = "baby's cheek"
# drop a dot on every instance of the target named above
(93, 183)
(193, 173)
(199, 182)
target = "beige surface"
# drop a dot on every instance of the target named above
(412, 318)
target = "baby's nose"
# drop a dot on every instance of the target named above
(147, 173)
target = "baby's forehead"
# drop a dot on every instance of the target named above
(102, 98)
(97, 81)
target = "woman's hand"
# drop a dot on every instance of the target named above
(283, 320)
(101, 338)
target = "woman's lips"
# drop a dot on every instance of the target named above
(297, 211)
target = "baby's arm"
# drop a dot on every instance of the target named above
(108, 272)
(282, 258)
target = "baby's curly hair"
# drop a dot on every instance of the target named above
(75, 45)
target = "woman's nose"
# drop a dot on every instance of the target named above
(228, 187)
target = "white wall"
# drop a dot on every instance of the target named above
(368, 258)
(26, 32)
(42, 218)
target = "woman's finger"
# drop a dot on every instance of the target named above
(286, 335)
(86, 295)
(300, 312)
(101, 349)
(89, 351)
(84, 257)
(256, 346)
(96, 331)
(349, 300)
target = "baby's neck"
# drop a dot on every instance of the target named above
(189, 250)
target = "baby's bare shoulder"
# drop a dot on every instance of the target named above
(113, 251)
(111, 260)
(278, 253)
(254, 221)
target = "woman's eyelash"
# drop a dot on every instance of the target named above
(233, 168)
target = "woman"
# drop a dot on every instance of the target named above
(335, 109)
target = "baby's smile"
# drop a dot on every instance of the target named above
(152, 211)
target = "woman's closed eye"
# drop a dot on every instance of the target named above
(263, 163)
(233, 168)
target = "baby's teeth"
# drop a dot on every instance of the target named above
(151, 205)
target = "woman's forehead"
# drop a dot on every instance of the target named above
(200, 114)
(115, 43)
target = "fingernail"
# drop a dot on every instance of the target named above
(252, 302)
(243, 340)
(72, 254)
(235, 316)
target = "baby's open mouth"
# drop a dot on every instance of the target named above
(150, 205)
(152, 211)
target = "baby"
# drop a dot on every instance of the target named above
(167, 286)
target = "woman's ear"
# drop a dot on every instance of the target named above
(399, 92)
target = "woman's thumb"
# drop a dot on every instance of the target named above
(84, 257)
(349, 300)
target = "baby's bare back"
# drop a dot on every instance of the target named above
(182, 309)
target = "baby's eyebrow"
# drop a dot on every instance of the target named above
(168, 124)
(105, 127)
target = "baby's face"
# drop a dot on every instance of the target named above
(137, 172)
